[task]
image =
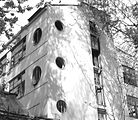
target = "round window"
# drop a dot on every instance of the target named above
(37, 36)
(61, 106)
(1, 68)
(36, 75)
(60, 62)
(59, 25)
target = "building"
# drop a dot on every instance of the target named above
(128, 74)
(10, 107)
(62, 65)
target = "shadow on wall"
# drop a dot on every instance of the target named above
(55, 90)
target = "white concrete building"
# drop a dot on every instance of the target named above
(63, 66)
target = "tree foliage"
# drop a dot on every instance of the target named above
(123, 16)
(8, 15)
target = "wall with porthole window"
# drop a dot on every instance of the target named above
(52, 71)
(56, 69)
(44, 35)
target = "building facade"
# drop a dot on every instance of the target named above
(128, 74)
(62, 65)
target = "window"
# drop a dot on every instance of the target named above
(132, 103)
(129, 76)
(61, 106)
(100, 96)
(96, 61)
(36, 75)
(95, 43)
(93, 29)
(60, 62)
(37, 36)
(1, 68)
(18, 52)
(98, 82)
(17, 85)
(95, 46)
(3, 63)
(59, 25)
(99, 89)
(102, 114)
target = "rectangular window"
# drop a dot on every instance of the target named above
(99, 89)
(95, 43)
(18, 52)
(102, 114)
(94, 37)
(93, 29)
(3, 63)
(100, 96)
(129, 75)
(96, 62)
(132, 103)
(17, 85)
(97, 78)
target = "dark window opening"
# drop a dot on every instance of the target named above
(36, 75)
(21, 89)
(61, 106)
(3, 64)
(93, 28)
(95, 61)
(97, 79)
(102, 114)
(1, 68)
(18, 52)
(95, 44)
(98, 83)
(97, 64)
(99, 89)
(17, 85)
(37, 36)
(59, 25)
(60, 62)
(132, 103)
(129, 75)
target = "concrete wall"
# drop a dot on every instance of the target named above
(75, 82)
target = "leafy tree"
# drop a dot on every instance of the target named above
(8, 14)
(122, 17)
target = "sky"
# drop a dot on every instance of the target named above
(23, 18)
(22, 21)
